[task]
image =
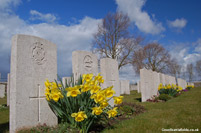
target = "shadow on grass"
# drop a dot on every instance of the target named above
(4, 127)
(139, 99)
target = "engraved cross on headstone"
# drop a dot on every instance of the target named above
(38, 97)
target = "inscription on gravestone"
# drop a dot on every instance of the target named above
(88, 63)
(38, 53)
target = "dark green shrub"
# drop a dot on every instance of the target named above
(164, 97)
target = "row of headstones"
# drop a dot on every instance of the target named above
(33, 60)
(150, 80)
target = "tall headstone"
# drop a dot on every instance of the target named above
(2, 90)
(162, 78)
(124, 87)
(33, 60)
(172, 80)
(110, 73)
(182, 83)
(138, 86)
(156, 81)
(147, 84)
(84, 62)
(8, 89)
(167, 80)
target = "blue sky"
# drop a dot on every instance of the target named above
(175, 24)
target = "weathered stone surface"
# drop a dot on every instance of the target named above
(84, 62)
(124, 86)
(33, 60)
(167, 80)
(147, 85)
(133, 87)
(182, 83)
(156, 80)
(8, 89)
(110, 73)
(2, 90)
(138, 86)
(172, 80)
(162, 78)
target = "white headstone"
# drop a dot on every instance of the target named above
(138, 86)
(162, 78)
(190, 83)
(156, 81)
(124, 86)
(2, 90)
(84, 62)
(147, 84)
(172, 80)
(8, 89)
(182, 83)
(167, 80)
(110, 73)
(133, 87)
(33, 60)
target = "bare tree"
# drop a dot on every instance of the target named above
(174, 68)
(189, 70)
(113, 39)
(198, 68)
(152, 56)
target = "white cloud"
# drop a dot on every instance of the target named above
(127, 73)
(177, 23)
(35, 15)
(6, 5)
(198, 46)
(185, 53)
(67, 38)
(141, 18)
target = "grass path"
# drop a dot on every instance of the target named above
(181, 112)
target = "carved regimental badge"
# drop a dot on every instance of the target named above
(88, 63)
(38, 53)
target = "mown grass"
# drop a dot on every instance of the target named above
(4, 116)
(183, 111)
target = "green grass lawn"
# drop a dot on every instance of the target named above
(183, 111)
(4, 115)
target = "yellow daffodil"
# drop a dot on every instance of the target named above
(104, 104)
(73, 91)
(85, 87)
(99, 78)
(47, 83)
(112, 112)
(118, 100)
(99, 97)
(55, 97)
(87, 77)
(96, 110)
(80, 116)
(169, 86)
(95, 89)
(109, 92)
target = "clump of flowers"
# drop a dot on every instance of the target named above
(81, 104)
(171, 90)
(188, 87)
